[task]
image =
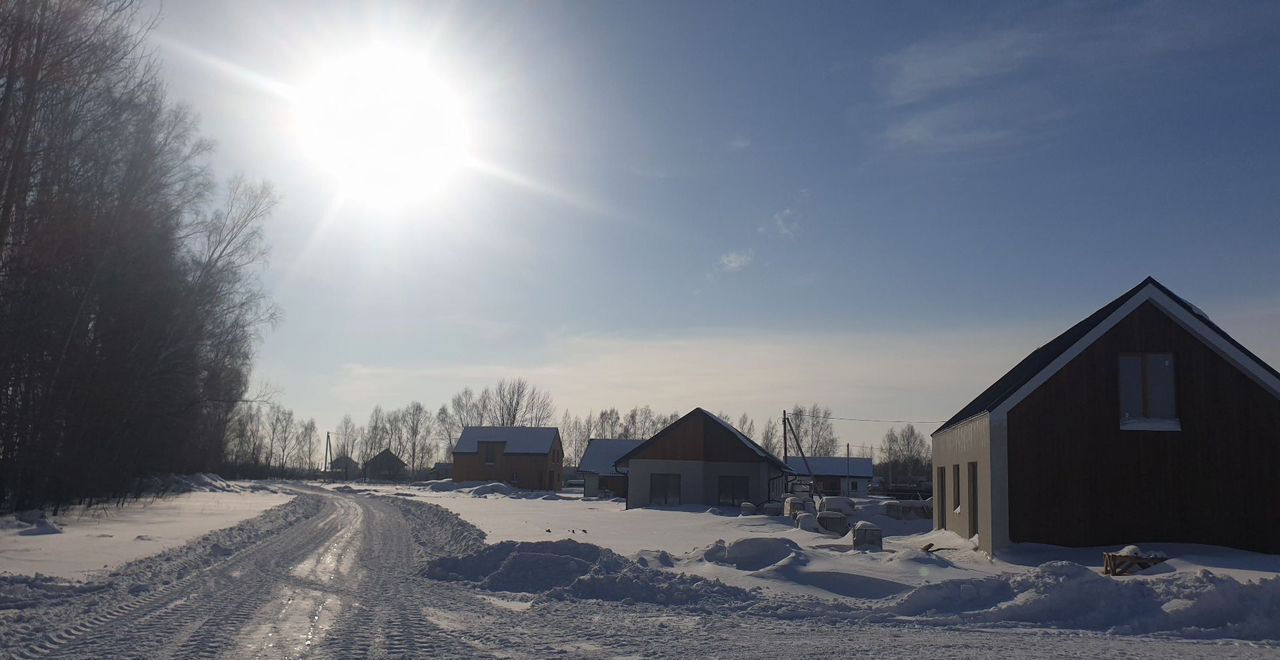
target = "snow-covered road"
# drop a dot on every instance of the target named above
(334, 575)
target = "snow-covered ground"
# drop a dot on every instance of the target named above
(381, 571)
(82, 542)
(1201, 592)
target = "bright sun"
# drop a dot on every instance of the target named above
(385, 125)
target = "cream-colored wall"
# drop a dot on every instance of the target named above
(969, 441)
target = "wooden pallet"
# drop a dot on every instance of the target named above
(1117, 564)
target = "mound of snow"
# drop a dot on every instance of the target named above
(919, 557)
(42, 526)
(1065, 594)
(751, 554)
(495, 488)
(568, 569)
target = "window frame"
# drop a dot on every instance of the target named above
(736, 481)
(1146, 422)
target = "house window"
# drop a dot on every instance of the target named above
(664, 489)
(733, 490)
(955, 485)
(1148, 393)
(490, 455)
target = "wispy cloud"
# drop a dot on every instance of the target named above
(928, 68)
(785, 222)
(733, 262)
(996, 86)
(739, 143)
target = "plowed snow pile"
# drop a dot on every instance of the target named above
(568, 569)
(1068, 595)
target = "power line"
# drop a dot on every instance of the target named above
(876, 421)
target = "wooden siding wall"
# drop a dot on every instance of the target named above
(529, 471)
(696, 438)
(1076, 479)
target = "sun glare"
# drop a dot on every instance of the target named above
(385, 125)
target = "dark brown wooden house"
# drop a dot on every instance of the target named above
(1145, 422)
(700, 459)
(523, 456)
(384, 465)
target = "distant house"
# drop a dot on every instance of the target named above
(1144, 422)
(834, 475)
(384, 466)
(345, 466)
(701, 459)
(523, 456)
(597, 469)
(441, 471)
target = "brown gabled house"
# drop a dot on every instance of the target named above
(701, 459)
(523, 456)
(1145, 422)
(384, 466)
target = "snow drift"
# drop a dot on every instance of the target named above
(1065, 594)
(569, 569)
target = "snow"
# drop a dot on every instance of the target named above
(1206, 592)
(97, 539)
(362, 571)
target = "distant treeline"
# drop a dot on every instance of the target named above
(129, 299)
(260, 436)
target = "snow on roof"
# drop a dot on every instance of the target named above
(601, 454)
(831, 466)
(518, 439)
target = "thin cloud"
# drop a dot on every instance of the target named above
(739, 142)
(733, 262)
(785, 222)
(995, 86)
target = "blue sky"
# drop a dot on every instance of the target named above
(875, 206)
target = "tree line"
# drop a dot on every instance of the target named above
(265, 438)
(129, 295)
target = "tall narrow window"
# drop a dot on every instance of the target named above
(1148, 394)
(490, 454)
(955, 485)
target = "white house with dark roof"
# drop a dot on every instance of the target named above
(834, 475)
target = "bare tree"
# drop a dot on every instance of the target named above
(769, 437)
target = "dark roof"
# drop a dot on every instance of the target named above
(384, 456)
(1040, 358)
(757, 449)
(831, 466)
(518, 439)
(602, 453)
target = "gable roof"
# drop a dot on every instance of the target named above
(601, 454)
(383, 456)
(1042, 358)
(831, 466)
(518, 439)
(748, 442)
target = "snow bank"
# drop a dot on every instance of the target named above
(751, 554)
(1065, 594)
(569, 569)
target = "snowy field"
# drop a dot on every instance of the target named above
(383, 571)
(1201, 592)
(83, 542)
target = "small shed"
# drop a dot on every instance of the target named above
(834, 475)
(385, 465)
(597, 467)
